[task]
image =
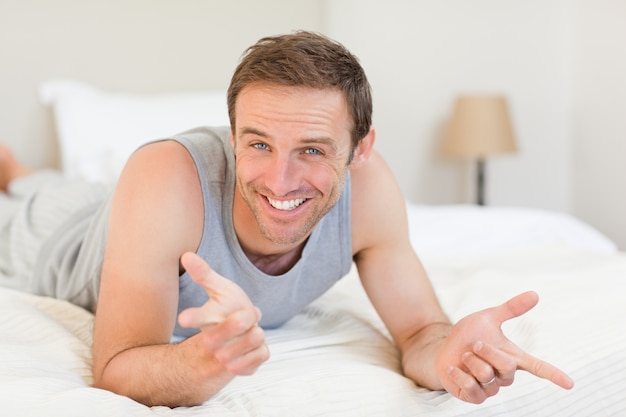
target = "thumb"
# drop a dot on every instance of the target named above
(516, 306)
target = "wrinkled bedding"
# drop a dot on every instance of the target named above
(336, 358)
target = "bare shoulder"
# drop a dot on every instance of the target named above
(157, 206)
(378, 207)
(166, 161)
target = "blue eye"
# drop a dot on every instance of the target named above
(313, 151)
(261, 146)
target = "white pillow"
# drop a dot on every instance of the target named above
(98, 130)
(475, 230)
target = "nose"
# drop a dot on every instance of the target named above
(282, 175)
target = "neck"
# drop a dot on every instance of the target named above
(275, 264)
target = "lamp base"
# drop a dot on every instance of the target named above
(480, 181)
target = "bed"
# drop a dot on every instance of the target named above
(335, 358)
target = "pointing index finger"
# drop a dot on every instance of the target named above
(225, 296)
(203, 275)
(545, 370)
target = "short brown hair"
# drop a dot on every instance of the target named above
(306, 59)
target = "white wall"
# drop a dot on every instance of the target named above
(421, 54)
(599, 116)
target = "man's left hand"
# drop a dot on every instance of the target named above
(477, 359)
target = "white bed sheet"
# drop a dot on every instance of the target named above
(335, 358)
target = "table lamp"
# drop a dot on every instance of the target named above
(480, 127)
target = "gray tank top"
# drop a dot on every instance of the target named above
(326, 257)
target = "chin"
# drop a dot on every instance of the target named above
(286, 237)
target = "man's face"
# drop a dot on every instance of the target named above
(292, 147)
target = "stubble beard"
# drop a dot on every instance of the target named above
(277, 231)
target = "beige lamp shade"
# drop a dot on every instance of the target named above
(480, 127)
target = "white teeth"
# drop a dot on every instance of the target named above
(286, 204)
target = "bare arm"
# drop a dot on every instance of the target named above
(471, 359)
(156, 216)
(392, 274)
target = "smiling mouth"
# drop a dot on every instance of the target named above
(286, 204)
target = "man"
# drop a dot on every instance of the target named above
(213, 235)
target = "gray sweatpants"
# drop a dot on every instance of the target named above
(32, 210)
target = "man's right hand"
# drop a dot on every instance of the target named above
(228, 322)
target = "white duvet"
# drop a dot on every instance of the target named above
(336, 359)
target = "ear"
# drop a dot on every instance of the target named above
(364, 149)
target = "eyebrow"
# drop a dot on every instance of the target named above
(252, 131)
